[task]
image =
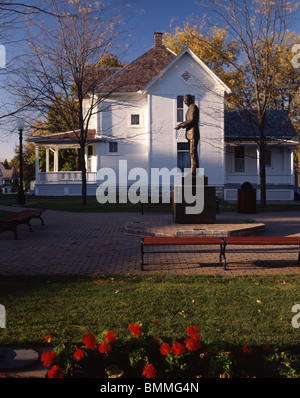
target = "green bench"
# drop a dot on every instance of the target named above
(10, 222)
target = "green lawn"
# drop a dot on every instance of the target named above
(252, 310)
(74, 204)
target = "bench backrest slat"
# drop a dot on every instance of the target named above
(22, 215)
(262, 240)
(182, 240)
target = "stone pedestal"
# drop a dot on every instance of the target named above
(208, 214)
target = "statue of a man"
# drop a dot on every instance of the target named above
(192, 134)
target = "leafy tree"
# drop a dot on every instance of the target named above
(249, 48)
(213, 46)
(58, 76)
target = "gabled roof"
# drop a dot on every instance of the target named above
(186, 50)
(142, 73)
(241, 126)
(135, 76)
(7, 173)
(95, 76)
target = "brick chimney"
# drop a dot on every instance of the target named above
(158, 40)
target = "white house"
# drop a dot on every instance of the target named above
(8, 178)
(137, 123)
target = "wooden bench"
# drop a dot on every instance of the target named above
(223, 242)
(10, 222)
(181, 240)
(259, 241)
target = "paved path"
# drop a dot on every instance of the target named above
(95, 243)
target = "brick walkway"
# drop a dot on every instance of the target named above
(95, 243)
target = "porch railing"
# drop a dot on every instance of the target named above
(64, 176)
(255, 179)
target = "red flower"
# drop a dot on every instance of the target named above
(246, 349)
(149, 371)
(165, 349)
(48, 338)
(78, 354)
(104, 348)
(177, 348)
(110, 336)
(55, 372)
(89, 341)
(192, 343)
(135, 329)
(191, 330)
(48, 357)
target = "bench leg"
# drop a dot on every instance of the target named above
(42, 221)
(222, 255)
(27, 222)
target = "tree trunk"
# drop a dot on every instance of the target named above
(262, 172)
(262, 165)
(83, 176)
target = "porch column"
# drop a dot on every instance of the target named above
(257, 165)
(36, 163)
(292, 167)
(56, 159)
(47, 160)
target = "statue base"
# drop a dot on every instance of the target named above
(208, 214)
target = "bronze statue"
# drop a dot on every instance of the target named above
(192, 130)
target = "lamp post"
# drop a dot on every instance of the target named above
(21, 196)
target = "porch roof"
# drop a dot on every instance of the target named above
(242, 127)
(67, 138)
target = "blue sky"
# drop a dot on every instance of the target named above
(143, 18)
(149, 16)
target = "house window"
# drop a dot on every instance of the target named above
(183, 156)
(239, 159)
(135, 120)
(179, 108)
(113, 147)
(90, 151)
(89, 158)
(268, 158)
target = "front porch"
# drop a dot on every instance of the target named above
(242, 165)
(52, 177)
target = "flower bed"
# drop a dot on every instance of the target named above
(141, 355)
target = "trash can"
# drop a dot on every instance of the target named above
(246, 198)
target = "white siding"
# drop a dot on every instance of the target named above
(114, 120)
(210, 100)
